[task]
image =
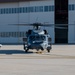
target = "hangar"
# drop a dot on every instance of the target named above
(31, 11)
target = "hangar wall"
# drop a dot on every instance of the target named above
(71, 20)
(24, 12)
(5, 20)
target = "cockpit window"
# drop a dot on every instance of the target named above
(39, 37)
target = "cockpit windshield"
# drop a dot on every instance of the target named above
(37, 37)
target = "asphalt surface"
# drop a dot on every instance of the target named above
(60, 61)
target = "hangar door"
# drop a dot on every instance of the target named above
(61, 18)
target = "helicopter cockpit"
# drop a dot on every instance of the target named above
(36, 27)
(37, 38)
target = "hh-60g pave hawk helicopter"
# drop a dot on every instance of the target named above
(37, 38)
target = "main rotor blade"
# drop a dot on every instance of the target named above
(45, 25)
(61, 27)
(21, 24)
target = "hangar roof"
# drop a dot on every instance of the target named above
(3, 1)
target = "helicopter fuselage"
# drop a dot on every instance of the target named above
(38, 40)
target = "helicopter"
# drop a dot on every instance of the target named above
(38, 38)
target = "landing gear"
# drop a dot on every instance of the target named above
(26, 49)
(48, 49)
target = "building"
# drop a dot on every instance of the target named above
(31, 11)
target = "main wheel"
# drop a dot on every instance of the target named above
(48, 49)
(26, 49)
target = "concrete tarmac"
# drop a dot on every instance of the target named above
(60, 61)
